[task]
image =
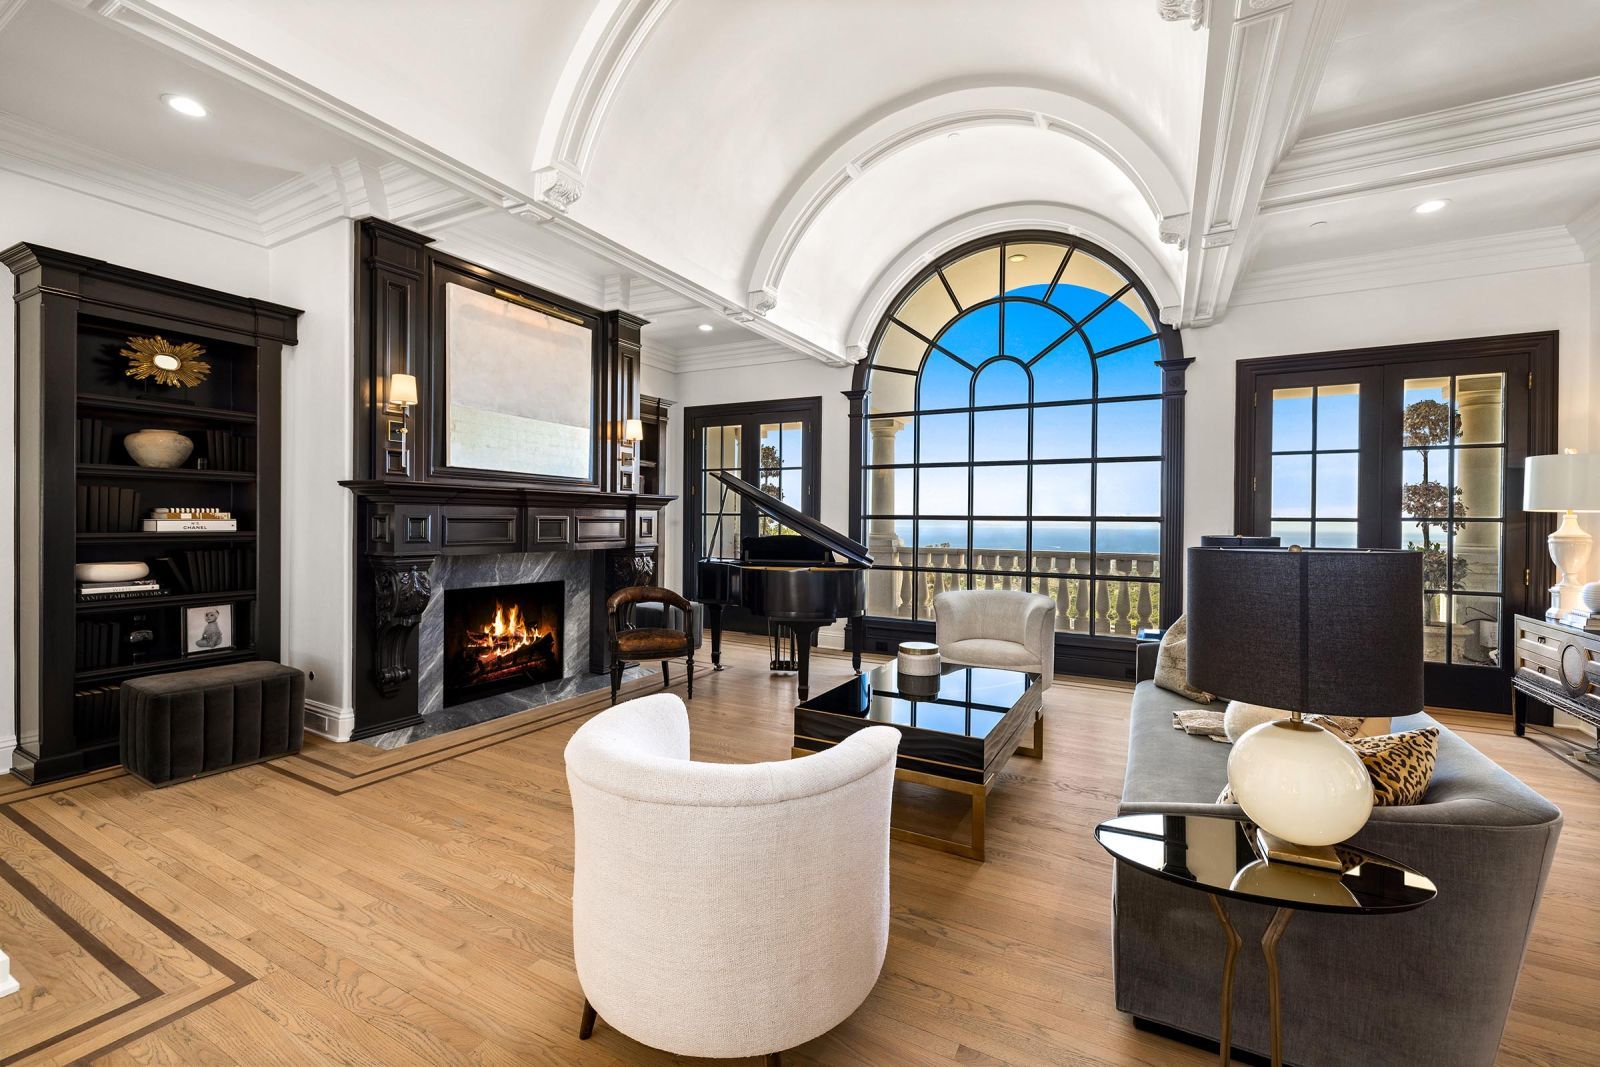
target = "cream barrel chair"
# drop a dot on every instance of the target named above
(997, 628)
(725, 909)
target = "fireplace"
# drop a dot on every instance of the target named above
(501, 637)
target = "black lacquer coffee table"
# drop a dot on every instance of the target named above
(1219, 857)
(957, 730)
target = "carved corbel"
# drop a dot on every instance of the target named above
(402, 588)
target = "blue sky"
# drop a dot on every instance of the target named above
(1064, 374)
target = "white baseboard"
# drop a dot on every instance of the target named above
(325, 720)
(8, 984)
(8, 745)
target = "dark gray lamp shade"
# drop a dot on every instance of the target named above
(1324, 632)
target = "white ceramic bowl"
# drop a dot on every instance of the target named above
(110, 572)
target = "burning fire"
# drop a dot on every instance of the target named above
(507, 634)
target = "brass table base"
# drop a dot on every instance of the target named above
(1269, 949)
(973, 847)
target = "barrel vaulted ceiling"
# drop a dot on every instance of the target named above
(778, 169)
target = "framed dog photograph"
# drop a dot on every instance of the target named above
(207, 629)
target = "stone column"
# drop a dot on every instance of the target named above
(882, 540)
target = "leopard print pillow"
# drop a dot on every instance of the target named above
(1401, 766)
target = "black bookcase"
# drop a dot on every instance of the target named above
(81, 498)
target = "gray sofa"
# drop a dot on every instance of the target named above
(1431, 986)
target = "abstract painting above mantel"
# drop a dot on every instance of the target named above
(519, 387)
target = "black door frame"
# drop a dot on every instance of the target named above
(1536, 435)
(804, 409)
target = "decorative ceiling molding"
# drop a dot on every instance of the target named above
(26, 148)
(482, 244)
(1541, 125)
(10, 9)
(145, 18)
(1075, 222)
(594, 71)
(732, 356)
(1266, 59)
(853, 157)
(1191, 11)
(1551, 246)
(1585, 230)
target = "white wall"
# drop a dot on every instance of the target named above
(45, 214)
(1556, 298)
(315, 274)
(656, 381)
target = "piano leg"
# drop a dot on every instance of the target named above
(714, 620)
(805, 633)
(853, 635)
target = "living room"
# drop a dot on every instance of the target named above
(662, 531)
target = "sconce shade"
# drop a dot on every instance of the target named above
(1316, 631)
(1567, 482)
(633, 430)
(402, 389)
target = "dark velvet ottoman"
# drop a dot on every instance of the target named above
(182, 725)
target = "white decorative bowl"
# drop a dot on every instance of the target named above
(158, 448)
(919, 657)
(110, 572)
(1590, 596)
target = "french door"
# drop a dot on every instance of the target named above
(773, 444)
(1416, 447)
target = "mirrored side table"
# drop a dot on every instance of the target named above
(1218, 857)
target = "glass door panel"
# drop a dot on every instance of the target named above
(1312, 460)
(1452, 429)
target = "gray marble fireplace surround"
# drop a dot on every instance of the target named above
(573, 570)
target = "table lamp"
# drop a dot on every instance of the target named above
(1569, 482)
(1310, 631)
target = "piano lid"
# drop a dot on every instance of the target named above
(806, 526)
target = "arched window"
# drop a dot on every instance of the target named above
(1018, 435)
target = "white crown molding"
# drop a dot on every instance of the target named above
(852, 158)
(38, 152)
(1191, 11)
(1585, 230)
(1551, 246)
(1264, 64)
(1552, 123)
(732, 356)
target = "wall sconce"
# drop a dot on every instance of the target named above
(633, 431)
(402, 391)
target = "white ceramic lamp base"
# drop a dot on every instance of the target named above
(1304, 787)
(1570, 546)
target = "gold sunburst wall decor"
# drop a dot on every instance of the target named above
(167, 363)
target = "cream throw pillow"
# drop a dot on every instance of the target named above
(1172, 662)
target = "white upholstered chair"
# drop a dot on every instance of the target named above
(725, 909)
(997, 628)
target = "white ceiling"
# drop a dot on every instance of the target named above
(1394, 59)
(771, 168)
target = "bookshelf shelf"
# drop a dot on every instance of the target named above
(76, 408)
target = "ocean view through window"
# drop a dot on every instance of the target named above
(1015, 436)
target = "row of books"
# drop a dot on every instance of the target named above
(108, 509)
(227, 451)
(95, 712)
(132, 590)
(94, 441)
(212, 570)
(99, 644)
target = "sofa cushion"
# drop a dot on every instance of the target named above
(1401, 765)
(1172, 663)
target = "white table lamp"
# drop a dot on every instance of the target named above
(1568, 483)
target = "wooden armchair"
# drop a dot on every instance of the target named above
(663, 643)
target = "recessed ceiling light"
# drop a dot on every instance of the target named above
(705, 327)
(185, 105)
(1016, 257)
(1428, 207)
(1320, 224)
(953, 135)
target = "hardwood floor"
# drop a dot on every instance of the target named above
(412, 907)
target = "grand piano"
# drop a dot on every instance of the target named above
(796, 580)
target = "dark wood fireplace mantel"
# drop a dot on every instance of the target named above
(413, 507)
